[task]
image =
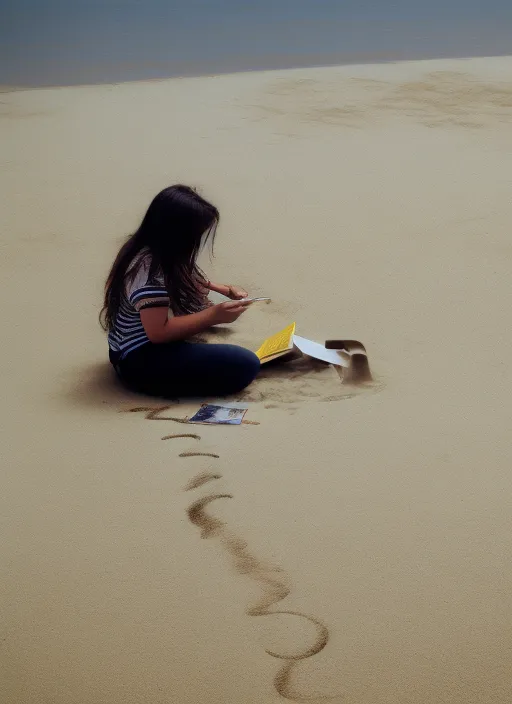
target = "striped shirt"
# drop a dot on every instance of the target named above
(128, 332)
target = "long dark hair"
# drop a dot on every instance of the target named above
(176, 226)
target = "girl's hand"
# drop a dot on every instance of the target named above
(227, 312)
(236, 293)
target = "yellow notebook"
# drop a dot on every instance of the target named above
(278, 345)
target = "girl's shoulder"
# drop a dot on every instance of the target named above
(142, 272)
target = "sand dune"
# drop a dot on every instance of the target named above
(371, 203)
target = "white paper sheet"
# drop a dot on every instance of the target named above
(313, 349)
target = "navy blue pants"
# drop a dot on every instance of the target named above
(187, 369)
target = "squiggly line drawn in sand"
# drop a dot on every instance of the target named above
(284, 687)
(182, 435)
(201, 479)
(275, 589)
(208, 524)
(199, 454)
(154, 413)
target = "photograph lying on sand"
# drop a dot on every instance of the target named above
(210, 414)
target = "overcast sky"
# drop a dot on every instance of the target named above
(72, 41)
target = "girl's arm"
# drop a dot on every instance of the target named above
(233, 292)
(160, 328)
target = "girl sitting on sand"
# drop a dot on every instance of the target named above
(156, 298)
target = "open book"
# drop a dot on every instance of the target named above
(287, 344)
(349, 356)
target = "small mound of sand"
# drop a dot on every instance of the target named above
(297, 381)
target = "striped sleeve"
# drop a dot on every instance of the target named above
(149, 296)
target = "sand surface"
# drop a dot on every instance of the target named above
(369, 202)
